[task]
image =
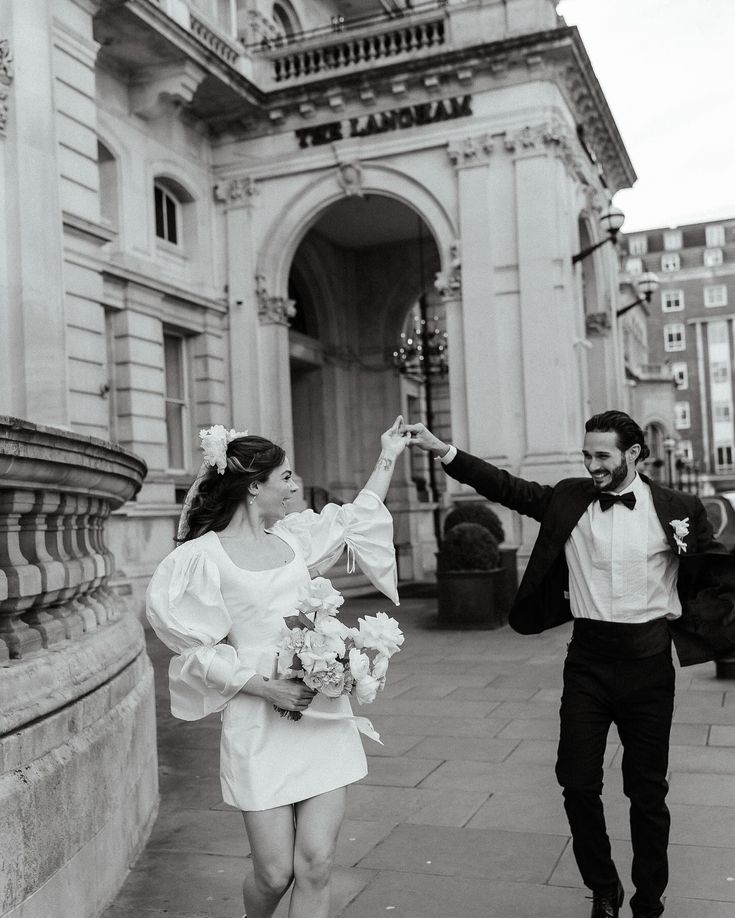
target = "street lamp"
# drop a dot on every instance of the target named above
(669, 445)
(647, 285)
(611, 222)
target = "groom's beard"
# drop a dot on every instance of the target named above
(617, 476)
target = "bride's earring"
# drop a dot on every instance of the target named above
(252, 499)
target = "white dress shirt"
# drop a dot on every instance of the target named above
(621, 566)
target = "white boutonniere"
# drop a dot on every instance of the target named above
(681, 531)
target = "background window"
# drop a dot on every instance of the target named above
(674, 337)
(670, 261)
(723, 458)
(720, 371)
(168, 216)
(107, 170)
(680, 373)
(714, 236)
(715, 295)
(634, 266)
(712, 258)
(638, 245)
(177, 433)
(681, 415)
(685, 450)
(723, 411)
(672, 240)
(672, 300)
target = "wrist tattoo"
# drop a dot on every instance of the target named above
(385, 464)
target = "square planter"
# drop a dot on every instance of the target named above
(471, 599)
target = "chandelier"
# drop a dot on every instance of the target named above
(422, 351)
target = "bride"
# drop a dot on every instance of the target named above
(218, 602)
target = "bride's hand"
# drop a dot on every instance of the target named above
(394, 440)
(289, 694)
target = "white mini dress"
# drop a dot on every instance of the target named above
(224, 624)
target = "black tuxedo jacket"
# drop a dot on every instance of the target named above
(706, 581)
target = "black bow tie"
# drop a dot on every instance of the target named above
(607, 499)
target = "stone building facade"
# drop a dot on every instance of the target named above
(690, 333)
(225, 211)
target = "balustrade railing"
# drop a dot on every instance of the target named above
(56, 491)
(345, 51)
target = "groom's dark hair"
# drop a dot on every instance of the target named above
(626, 431)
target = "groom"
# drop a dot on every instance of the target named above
(629, 561)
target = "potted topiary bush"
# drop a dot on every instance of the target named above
(469, 578)
(481, 513)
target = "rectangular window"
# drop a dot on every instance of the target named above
(680, 372)
(685, 450)
(682, 420)
(723, 411)
(177, 428)
(670, 261)
(675, 337)
(714, 236)
(715, 295)
(720, 372)
(672, 240)
(723, 458)
(712, 258)
(634, 266)
(672, 300)
(637, 245)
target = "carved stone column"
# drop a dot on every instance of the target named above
(274, 313)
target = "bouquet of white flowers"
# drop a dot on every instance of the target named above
(330, 657)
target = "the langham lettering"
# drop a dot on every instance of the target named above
(392, 120)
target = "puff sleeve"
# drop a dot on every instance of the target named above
(365, 526)
(185, 608)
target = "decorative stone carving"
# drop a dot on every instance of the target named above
(272, 310)
(471, 151)
(597, 323)
(242, 189)
(6, 78)
(525, 139)
(162, 88)
(349, 177)
(449, 283)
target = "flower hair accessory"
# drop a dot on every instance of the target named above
(681, 531)
(214, 444)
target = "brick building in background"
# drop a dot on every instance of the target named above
(691, 329)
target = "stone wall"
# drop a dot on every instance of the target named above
(78, 766)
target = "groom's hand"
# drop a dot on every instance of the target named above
(419, 435)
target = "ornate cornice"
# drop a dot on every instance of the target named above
(6, 78)
(597, 323)
(449, 283)
(551, 136)
(240, 190)
(470, 151)
(272, 310)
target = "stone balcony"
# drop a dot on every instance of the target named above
(78, 770)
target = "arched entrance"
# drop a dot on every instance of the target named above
(356, 278)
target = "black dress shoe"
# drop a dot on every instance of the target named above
(607, 905)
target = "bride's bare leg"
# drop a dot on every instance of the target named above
(318, 821)
(271, 834)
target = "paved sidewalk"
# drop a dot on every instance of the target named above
(460, 815)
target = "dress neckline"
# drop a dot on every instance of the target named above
(264, 570)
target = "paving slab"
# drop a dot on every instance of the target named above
(492, 854)
(465, 780)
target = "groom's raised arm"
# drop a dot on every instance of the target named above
(526, 497)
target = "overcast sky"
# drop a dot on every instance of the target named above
(666, 68)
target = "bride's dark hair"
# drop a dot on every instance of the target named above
(249, 459)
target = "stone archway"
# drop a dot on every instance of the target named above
(357, 271)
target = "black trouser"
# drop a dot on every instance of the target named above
(638, 697)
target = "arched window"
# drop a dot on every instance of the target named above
(285, 19)
(108, 194)
(168, 213)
